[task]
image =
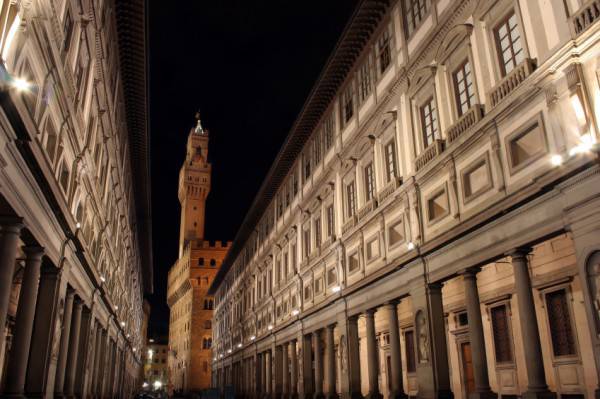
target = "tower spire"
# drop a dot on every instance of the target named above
(199, 129)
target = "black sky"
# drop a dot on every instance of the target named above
(248, 66)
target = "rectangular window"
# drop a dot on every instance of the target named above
(563, 339)
(307, 292)
(293, 257)
(437, 206)
(527, 145)
(414, 12)
(328, 132)
(508, 43)
(353, 264)
(286, 269)
(319, 285)
(464, 92)
(384, 52)
(364, 80)
(390, 161)
(409, 339)
(351, 200)
(429, 125)
(396, 232)
(306, 243)
(306, 161)
(317, 148)
(373, 249)
(330, 226)
(369, 182)
(501, 332)
(331, 276)
(347, 103)
(318, 232)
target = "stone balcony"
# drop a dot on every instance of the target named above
(349, 224)
(586, 16)
(511, 81)
(366, 209)
(435, 149)
(464, 123)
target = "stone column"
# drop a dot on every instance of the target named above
(285, 361)
(96, 380)
(330, 359)
(308, 384)
(19, 353)
(395, 354)
(534, 362)
(433, 375)
(277, 369)
(72, 364)
(269, 374)
(257, 375)
(64, 345)
(318, 353)
(45, 342)
(86, 345)
(9, 238)
(354, 390)
(372, 355)
(293, 370)
(476, 338)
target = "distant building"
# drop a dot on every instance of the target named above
(75, 239)
(190, 323)
(156, 365)
(431, 226)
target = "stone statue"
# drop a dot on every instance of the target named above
(58, 329)
(422, 336)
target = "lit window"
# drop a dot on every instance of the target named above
(463, 88)
(351, 200)
(508, 43)
(369, 182)
(384, 51)
(348, 103)
(390, 161)
(364, 80)
(429, 122)
(414, 12)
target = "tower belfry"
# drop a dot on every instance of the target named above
(194, 186)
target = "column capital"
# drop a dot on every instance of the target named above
(11, 224)
(391, 304)
(470, 272)
(353, 318)
(33, 252)
(370, 312)
(331, 326)
(70, 294)
(435, 287)
(519, 252)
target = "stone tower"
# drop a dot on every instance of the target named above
(190, 326)
(194, 186)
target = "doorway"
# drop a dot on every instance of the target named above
(467, 368)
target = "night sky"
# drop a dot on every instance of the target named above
(248, 66)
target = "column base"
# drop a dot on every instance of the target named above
(441, 394)
(351, 395)
(545, 394)
(374, 395)
(401, 395)
(483, 395)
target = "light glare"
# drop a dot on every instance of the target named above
(556, 160)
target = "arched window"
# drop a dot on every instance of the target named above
(206, 343)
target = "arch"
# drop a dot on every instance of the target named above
(452, 39)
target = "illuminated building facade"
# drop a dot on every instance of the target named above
(75, 246)
(431, 226)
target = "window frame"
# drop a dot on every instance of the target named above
(430, 103)
(471, 100)
(504, 20)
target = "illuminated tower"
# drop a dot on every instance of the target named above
(194, 186)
